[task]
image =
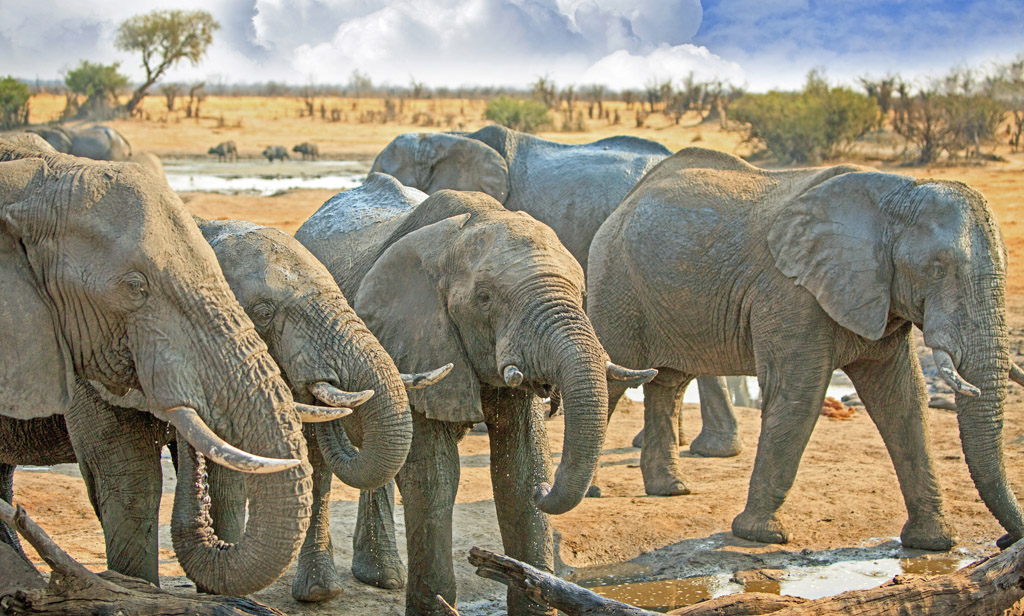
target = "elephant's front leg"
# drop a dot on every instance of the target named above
(718, 436)
(520, 461)
(316, 578)
(793, 381)
(893, 391)
(428, 482)
(659, 454)
(375, 558)
(7, 534)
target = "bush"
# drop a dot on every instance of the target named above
(818, 123)
(14, 97)
(517, 114)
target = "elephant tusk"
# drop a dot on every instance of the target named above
(513, 377)
(1016, 374)
(332, 396)
(309, 413)
(194, 430)
(949, 374)
(632, 378)
(419, 380)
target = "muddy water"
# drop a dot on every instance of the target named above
(630, 582)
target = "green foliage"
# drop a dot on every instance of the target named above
(163, 38)
(14, 97)
(517, 114)
(98, 83)
(819, 123)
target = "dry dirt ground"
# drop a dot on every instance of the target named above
(845, 494)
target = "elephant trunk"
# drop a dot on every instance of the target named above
(381, 427)
(572, 359)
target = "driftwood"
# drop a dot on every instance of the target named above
(988, 586)
(75, 590)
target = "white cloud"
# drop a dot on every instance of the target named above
(622, 70)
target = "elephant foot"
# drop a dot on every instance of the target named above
(594, 491)
(316, 578)
(763, 530)
(931, 534)
(716, 444)
(381, 570)
(666, 486)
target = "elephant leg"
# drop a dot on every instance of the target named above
(375, 557)
(892, 389)
(7, 534)
(520, 461)
(739, 391)
(316, 578)
(638, 439)
(793, 387)
(428, 482)
(718, 437)
(659, 455)
(615, 393)
(119, 454)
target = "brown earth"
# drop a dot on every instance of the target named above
(845, 495)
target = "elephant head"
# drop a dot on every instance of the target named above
(118, 285)
(928, 252)
(464, 280)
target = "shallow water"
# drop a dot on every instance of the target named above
(263, 178)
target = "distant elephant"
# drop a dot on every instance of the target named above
(97, 142)
(572, 189)
(106, 277)
(460, 278)
(713, 266)
(225, 150)
(150, 162)
(308, 150)
(275, 151)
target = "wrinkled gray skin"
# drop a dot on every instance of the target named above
(106, 277)
(275, 151)
(308, 150)
(792, 274)
(225, 150)
(461, 279)
(97, 142)
(570, 188)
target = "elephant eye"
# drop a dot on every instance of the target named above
(483, 297)
(936, 271)
(262, 313)
(136, 286)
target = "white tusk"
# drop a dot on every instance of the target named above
(1016, 374)
(949, 374)
(633, 378)
(332, 396)
(513, 377)
(419, 380)
(309, 413)
(194, 430)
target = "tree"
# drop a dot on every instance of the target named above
(14, 97)
(544, 92)
(164, 38)
(98, 83)
(523, 115)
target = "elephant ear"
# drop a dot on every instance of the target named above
(435, 161)
(402, 301)
(830, 239)
(36, 377)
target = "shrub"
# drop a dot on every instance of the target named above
(14, 97)
(517, 114)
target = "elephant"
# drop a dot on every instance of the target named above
(107, 279)
(713, 266)
(225, 150)
(460, 278)
(150, 162)
(97, 142)
(308, 150)
(570, 188)
(275, 151)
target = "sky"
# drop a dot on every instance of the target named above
(757, 44)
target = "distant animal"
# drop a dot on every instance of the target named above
(276, 151)
(150, 162)
(308, 149)
(96, 142)
(225, 150)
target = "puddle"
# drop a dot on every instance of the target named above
(630, 582)
(839, 386)
(263, 178)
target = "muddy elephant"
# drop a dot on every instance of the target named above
(272, 152)
(570, 188)
(308, 149)
(97, 142)
(225, 150)
(106, 277)
(713, 266)
(459, 278)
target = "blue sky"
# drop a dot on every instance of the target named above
(622, 43)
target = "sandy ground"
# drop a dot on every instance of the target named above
(845, 495)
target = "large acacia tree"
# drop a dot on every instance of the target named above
(164, 38)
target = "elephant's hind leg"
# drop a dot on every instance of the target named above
(893, 391)
(659, 455)
(615, 393)
(718, 436)
(316, 578)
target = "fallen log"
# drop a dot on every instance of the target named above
(989, 586)
(74, 590)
